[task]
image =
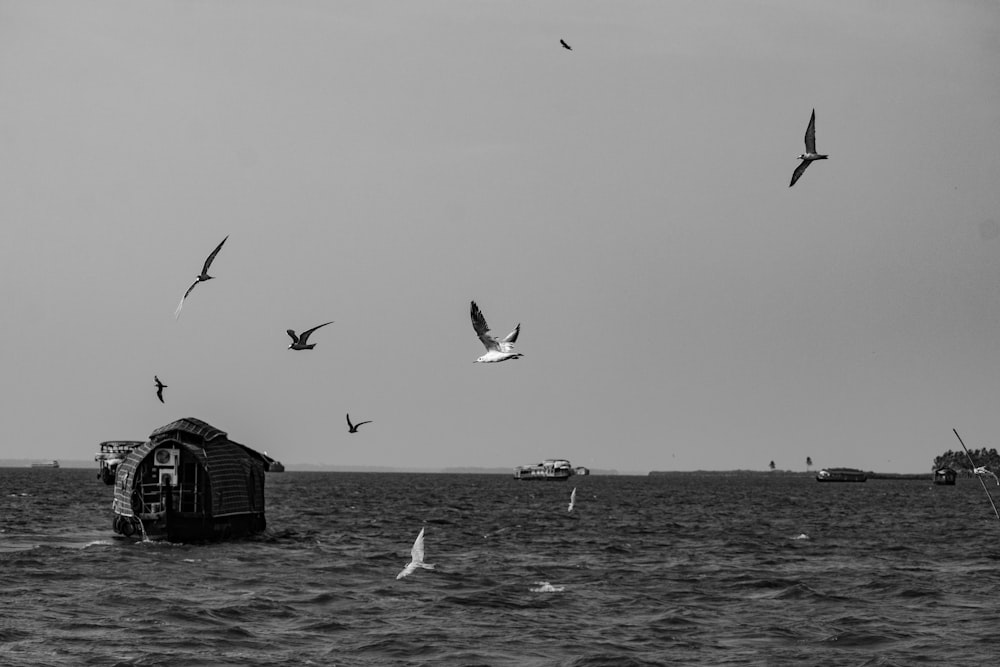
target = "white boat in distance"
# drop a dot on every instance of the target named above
(549, 469)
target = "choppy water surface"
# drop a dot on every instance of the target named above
(685, 570)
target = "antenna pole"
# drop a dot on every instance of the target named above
(977, 475)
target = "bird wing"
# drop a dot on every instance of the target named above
(290, 332)
(364, 422)
(305, 334)
(180, 305)
(211, 258)
(417, 552)
(507, 344)
(799, 170)
(349, 424)
(482, 329)
(410, 567)
(811, 134)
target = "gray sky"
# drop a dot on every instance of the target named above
(381, 164)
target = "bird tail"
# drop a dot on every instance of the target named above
(427, 566)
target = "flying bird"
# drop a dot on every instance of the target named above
(496, 350)
(203, 276)
(565, 45)
(416, 557)
(159, 388)
(301, 342)
(353, 428)
(810, 155)
(572, 500)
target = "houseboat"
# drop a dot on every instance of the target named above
(841, 475)
(549, 469)
(945, 476)
(188, 483)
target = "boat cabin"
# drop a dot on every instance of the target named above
(189, 483)
(945, 476)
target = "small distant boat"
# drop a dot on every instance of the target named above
(841, 475)
(549, 469)
(46, 464)
(945, 476)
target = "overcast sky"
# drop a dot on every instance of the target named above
(382, 164)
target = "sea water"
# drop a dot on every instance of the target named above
(709, 569)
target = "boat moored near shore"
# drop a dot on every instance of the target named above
(841, 475)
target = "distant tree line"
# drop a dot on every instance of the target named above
(959, 461)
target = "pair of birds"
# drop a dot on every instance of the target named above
(351, 428)
(299, 341)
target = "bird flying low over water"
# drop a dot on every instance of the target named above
(202, 277)
(496, 350)
(301, 342)
(353, 428)
(810, 155)
(572, 500)
(159, 388)
(565, 45)
(416, 557)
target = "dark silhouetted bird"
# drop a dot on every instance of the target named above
(565, 45)
(203, 276)
(810, 155)
(301, 342)
(159, 388)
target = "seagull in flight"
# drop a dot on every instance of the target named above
(353, 428)
(416, 557)
(572, 500)
(565, 45)
(159, 388)
(810, 153)
(202, 277)
(301, 342)
(496, 350)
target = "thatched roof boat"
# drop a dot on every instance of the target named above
(189, 482)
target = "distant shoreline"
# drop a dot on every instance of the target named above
(471, 470)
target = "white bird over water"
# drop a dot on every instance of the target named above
(496, 350)
(810, 155)
(301, 342)
(202, 277)
(416, 557)
(572, 500)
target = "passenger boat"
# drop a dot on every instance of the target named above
(46, 464)
(841, 475)
(549, 469)
(187, 483)
(112, 453)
